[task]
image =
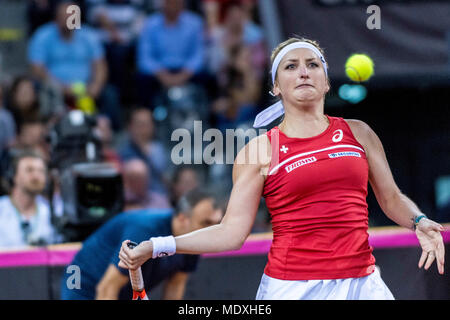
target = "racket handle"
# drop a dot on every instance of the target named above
(137, 282)
(136, 278)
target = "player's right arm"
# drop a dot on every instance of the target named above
(236, 225)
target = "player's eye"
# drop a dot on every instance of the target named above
(290, 66)
(313, 65)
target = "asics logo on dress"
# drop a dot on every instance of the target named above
(337, 135)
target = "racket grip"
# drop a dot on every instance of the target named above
(137, 282)
(136, 278)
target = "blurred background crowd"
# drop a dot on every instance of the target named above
(137, 69)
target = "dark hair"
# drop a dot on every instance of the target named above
(188, 201)
(132, 110)
(11, 103)
(16, 156)
(61, 3)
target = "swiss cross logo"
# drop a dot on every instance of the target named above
(284, 149)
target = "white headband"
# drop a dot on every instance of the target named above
(292, 46)
(277, 109)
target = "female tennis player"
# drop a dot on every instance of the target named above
(314, 179)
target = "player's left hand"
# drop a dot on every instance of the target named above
(429, 235)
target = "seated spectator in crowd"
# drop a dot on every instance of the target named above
(62, 57)
(104, 133)
(24, 213)
(240, 91)
(170, 50)
(31, 135)
(237, 30)
(136, 179)
(7, 125)
(185, 178)
(99, 256)
(118, 22)
(140, 143)
(23, 100)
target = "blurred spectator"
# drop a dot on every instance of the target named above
(63, 57)
(211, 9)
(105, 135)
(240, 91)
(136, 178)
(237, 29)
(31, 135)
(23, 100)
(140, 143)
(24, 213)
(184, 179)
(7, 125)
(119, 22)
(215, 10)
(170, 50)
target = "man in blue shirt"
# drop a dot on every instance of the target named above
(62, 57)
(66, 55)
(170, 50)
(101, 278)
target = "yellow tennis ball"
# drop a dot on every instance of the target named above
(359, 67)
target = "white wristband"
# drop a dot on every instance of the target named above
(163, 246)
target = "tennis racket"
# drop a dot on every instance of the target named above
(137, 281)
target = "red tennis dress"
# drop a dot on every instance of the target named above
(316, 195)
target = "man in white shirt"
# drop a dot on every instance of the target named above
(24, 213)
